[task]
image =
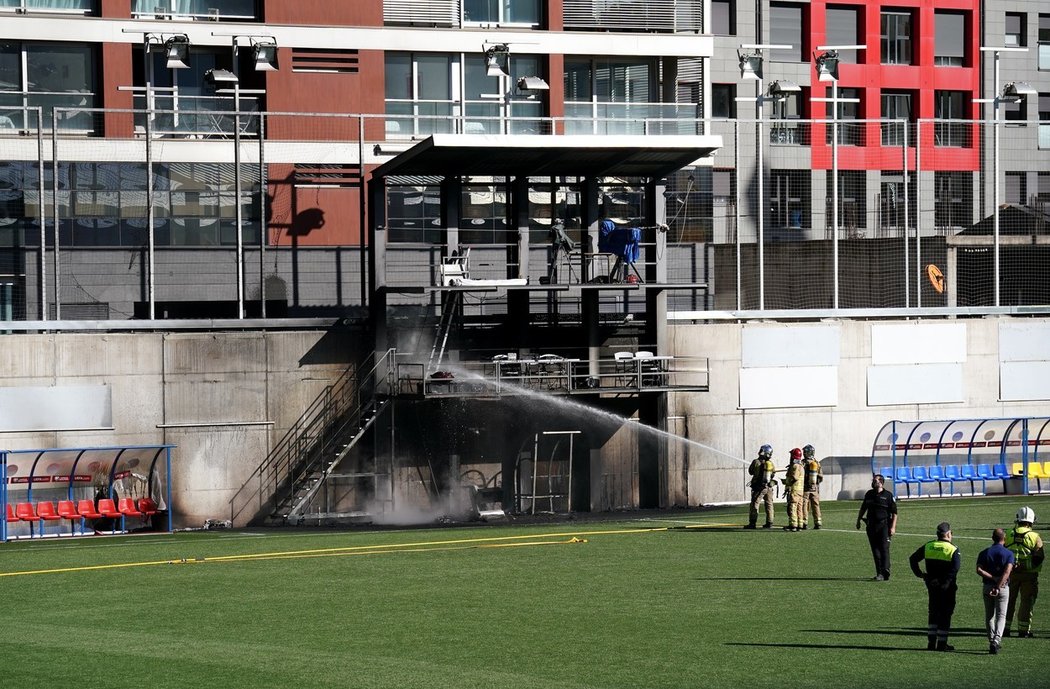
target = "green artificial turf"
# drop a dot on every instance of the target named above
(636, 605)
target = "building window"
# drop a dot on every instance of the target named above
(72, 6)
(723, 17)
(949, 44)
(896, 106)
(1016, 188)
(789, 199)
(501, 12)
(952, 201)
(950, 105)
(484, 213)
(785, 128)
(194, 9)
(1015, 114)
(786, 28)
(47, 75)
(842, 29)
(723, 100)
(896, 28)
(1043, 191)
(1044, 41)
(850, 133)
(1044, 121)
(1016, 30)
(852, 204)
(414, 212)
(614, 96)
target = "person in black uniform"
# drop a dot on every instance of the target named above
(942, 567)
(880, 506)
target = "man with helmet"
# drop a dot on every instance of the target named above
(793, 490)
(814, 475)
(761, 471)
(1029, 554)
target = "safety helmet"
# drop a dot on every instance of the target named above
(796, 453)
(1026, 514)
(808, 451)
(765, 451)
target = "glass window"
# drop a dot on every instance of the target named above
(788, 108)
(895, 105)
(723, 100)
(1044, 41)
(949, 44)
(850, 134)
(723, 17)
(785, 28)
(75, 6)
(501, 11)
(414, 213)
(1016, 29)
(841, 29)
(1016, 188)
(952, 201)
(950, 105)
(896, 28)
(484, 214)
(1044, 121)
(194, 9)
(419, 87)
(57, 75)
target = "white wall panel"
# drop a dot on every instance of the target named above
(915, 384)
(1024, 380)
(933, 343)
(54, 408)
(797, 386)
(790, 346)
(1024, 342)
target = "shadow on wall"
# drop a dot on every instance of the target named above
(855, 473)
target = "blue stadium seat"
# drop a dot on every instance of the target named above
(935, 474)
(903, 477)
(918, 477)
(984, 472)
(1001, 471)
(969, 473)
(951, 475)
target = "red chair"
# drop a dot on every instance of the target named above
(25, 512)
(11, 516)
(46, 511)
(148, 506)
(126, 506)
(108, 509)
(68, 510)
(86, 509)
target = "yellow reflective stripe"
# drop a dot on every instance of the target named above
(939, 550)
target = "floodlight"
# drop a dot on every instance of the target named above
(1015, 91)
(264, 55)
(781, 88)
(493, 68)
(220, 77)
(177, 51)
(750, 65)
(828, 66)
(532, 84)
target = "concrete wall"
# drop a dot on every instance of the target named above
(224, 399)
(843, 433)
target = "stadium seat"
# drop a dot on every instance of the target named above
(11, 516)
(984, 472)
(1017, 468)
(918, 477)
(86, 509)
(68, 510)
(935, 474)
(126, 506)
(1000, 471)
(1036, 471)
(902, 476)
(26, 513)
(148, 506)
(46, 511)
(951, 475)
(109, 510)
(968, 472)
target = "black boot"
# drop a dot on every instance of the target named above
(943, 646)
(751, 526)
(931, 643)
(767, 525)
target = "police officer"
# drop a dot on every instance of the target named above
(762, 483)
(880, 506)
(814, 475)
(793, 491)
(1029, 554)
(942, 567)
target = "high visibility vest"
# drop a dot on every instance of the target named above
(1022, 541)
(939, 550)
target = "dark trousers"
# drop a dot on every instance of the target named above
(941, 609)
(879, 540)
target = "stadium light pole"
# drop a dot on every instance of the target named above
(827, 65)
(1011, 93)
(751, 61)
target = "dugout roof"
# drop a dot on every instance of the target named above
(961, 441)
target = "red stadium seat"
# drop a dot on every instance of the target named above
(46, 511)
(86, 509)
(108, 509)
(25, 512)
(11, 516)
(126, 506)
(68, 510)
(148, 506)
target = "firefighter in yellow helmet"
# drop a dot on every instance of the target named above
(762, 483)
(793, 490)
(814, 475)
(1029, 554)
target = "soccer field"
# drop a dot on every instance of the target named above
(686, 600)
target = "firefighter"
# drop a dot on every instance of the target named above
(1029, 554)
(793, 490)
(814, 475)
(942, 569)
(762, 483)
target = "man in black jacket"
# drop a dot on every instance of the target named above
(942, 567)
(880, 506)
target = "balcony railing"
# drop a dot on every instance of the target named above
(18, 111)
(177, 115)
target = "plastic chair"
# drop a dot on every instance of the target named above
(46, 512)
(968, 472)
(108, 509)
(1000, 471)
(86, 509)
(11, 516)
(624, 367)
(1017, 468)
(984, 472)
(935, 474)
(951, 475)
(902, 476)
(918, 477)
(68, 510)
(148, 506)
(26, 513)
(126, 506)
(1035, 471)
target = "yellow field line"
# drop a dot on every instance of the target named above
(489, 542)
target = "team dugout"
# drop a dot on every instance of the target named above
(83, 491)
(966, 456)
